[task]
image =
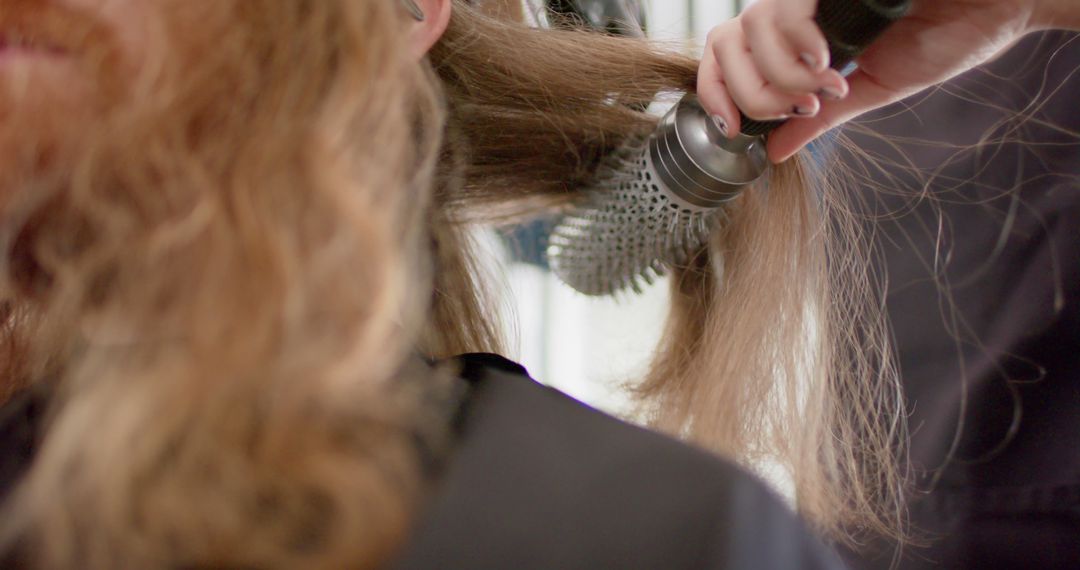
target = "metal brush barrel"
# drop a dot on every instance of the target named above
(702, 168)
(659, 206)
(664, 195)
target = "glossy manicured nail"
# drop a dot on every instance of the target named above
(830, 93)
(811, 62)
(809, 59)
(799, 111)
(720, 124)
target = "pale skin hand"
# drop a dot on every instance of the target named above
(770, 61)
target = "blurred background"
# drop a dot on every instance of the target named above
(591, 348)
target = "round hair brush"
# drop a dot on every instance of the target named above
(659, 198)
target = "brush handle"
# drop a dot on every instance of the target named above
(850, 26)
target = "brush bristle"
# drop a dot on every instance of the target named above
(628, 232)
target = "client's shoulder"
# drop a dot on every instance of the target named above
(509, 415)
(542, 481)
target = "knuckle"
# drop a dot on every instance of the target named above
(754, 21)
(719, 32)
(714, 36)
(787, 25)
(799, 30)
(758, 10)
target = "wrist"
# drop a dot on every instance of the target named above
(1056, 14)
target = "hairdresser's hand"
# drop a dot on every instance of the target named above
(939, 39)
(771, 62)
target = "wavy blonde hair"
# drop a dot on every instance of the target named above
(228, 291)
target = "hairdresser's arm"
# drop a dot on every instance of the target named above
(1058, 14)
(772, 57)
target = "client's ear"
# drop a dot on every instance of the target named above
(432, 18)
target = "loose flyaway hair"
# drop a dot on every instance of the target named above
(230, 288)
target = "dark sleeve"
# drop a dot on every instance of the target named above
(543, 482)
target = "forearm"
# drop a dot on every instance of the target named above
(1059, 14)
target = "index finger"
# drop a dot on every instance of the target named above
(796, 24)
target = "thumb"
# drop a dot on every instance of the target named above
(865, 95)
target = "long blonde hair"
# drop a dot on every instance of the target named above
(229, 294)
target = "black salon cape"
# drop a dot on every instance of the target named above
(541, 482)
(1005, 237)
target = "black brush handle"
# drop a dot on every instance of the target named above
(850, 26)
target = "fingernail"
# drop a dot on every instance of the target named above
(802, 111)
(830, 93)
(809, 60)
(720, 124)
